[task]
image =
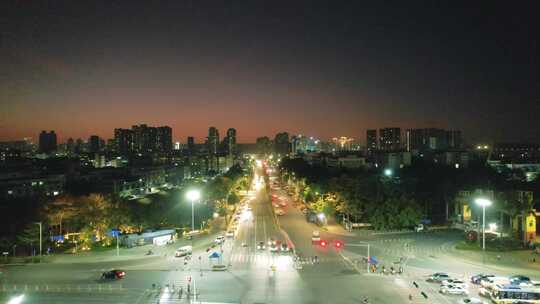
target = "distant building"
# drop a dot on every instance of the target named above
(343, 143)
(212, 141)
(94, 144)
(264, 145)
(281, 143)
(143, 139)
(301, 144)
(124, 141)
(427, 139)
(229, 142)
(191, 144)
(371, 141)
(47, 142)
(390, 139)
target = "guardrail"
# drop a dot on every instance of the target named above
(61, 288)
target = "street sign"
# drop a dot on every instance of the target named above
(114, 233)
(57, 238)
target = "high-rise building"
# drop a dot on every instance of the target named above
(371, 141)
(213, 140)
(94, 144)
(191, 144)
(390, 139)
(281, 143)
(432, 139)
(124, 141)
(229, 142)
(163, 140)
(144, 139)
(47, 142)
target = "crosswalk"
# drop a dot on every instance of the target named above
(407, 248)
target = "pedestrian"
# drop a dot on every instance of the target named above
(410, 297)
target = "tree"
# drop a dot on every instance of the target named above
(29, 236)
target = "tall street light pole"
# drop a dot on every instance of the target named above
(40, 239)
(193, 195)
(484, 203)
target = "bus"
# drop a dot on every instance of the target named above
(506, 294)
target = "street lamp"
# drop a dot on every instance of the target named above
(484, 203)
(193, 195)
(388, 172)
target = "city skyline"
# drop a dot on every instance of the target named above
(330, 70)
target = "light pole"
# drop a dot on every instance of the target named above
(40, 239)
(484, 203)
(193, 195)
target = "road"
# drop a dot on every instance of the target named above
(336, 278)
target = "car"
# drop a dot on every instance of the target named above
(183, 251)
(475, 279)
(456, 282)
(438, 277)
(484, 292)
(453, 289)
(273, 248)
(316, 236)
(420, 228)
(519, 279)
(244, 244)
(230, 234)
(220, 240)
(471, 301)
(114, 274)
(260, 246)
(284, 247)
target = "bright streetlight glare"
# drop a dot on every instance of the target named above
(483, 202)
(16, 300)
(321, 216)
(193, 195)
(388, 172)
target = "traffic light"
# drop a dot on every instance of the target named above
(323, 243)
(338, 244)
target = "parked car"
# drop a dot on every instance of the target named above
(230, 234)
(114, 274)
(438, 277)
(260, 246)
(284, 247)
(454, 289)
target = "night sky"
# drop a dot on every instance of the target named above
(323, 68)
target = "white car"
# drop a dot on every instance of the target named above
(230, 234)
(456, 282)
(183, 251)
(260, 246)
(471, 301)
(454, 289)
